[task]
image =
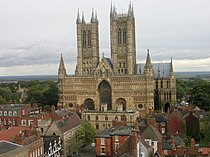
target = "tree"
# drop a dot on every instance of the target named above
(200, 94)
(73, 145)
(86, 133)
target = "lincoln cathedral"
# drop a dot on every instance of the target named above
(116, 83)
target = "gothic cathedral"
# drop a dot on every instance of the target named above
(117, 82)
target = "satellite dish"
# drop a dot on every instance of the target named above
(93, 144)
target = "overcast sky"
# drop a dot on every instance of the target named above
(33, 33)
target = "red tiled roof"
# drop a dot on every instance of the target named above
(12, 132)
(205, 150)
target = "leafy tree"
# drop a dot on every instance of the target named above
(86, 133)
(73, 145)
(47, 108)
(200, 94)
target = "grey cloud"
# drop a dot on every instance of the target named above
(39, 53)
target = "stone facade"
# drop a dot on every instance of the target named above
(102, 120)
(117, 81)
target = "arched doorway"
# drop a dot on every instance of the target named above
(89, 104)
(105, 94)
(121, 103)
(167, 107)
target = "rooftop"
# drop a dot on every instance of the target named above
(7, 146)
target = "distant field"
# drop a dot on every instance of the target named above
(180, 75)
(205, 75)
(28, 78)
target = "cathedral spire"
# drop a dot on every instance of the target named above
(83, 18)
(96, 18)
(148, 61)
(132, 11)
(92, 16)
(78, 17)
(129, 10)
(111, 13)
(171, 68)
(62, 69)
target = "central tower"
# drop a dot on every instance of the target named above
(123, 47)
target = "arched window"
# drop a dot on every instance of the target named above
(84, 38)
(106, 118)
(96, 117)
(124, 37)
(89, 38)
(88, 117)
(116, 117)
(119, 36)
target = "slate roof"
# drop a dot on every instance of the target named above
(178, 140)
(68, 123)
(115, 130)
(63, 113)
(158, 118)
(109, 61)
(163, 67)
(151, 133)
(8, 146)
(166, 146)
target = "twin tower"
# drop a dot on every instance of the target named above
(123, 47)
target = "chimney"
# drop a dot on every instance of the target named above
(172, 142)
(151, 121)
(163, 138)
(192, 143)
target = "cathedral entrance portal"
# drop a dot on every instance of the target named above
(105, 94)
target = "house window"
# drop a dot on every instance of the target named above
(23, 112)
(23, 122)
(102, 141)
(163, 130)
(152, 143)
(163, 124)
(5, 113)
(14, 113)
(116, 138)
(102, 150)
(5, 123)
(116, 146)
(0, 113)
(13, 122)
(10, 113)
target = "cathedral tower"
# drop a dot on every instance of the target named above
(87, 45)
(123, 47)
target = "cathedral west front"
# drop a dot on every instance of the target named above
(116, 83)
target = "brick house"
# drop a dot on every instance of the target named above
(109, 140)
(176, 123)
(192, 124)
(19, 115)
